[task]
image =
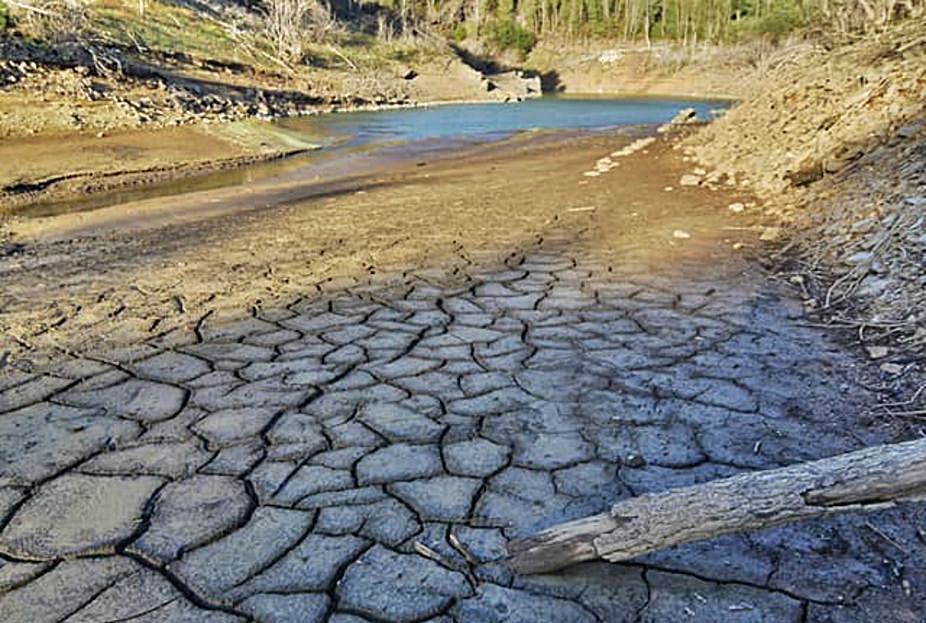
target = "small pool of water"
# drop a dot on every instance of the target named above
(359, 142)
(482, 122)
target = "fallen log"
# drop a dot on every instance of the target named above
(870, 479)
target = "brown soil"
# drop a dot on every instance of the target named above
(81, 280)
(47, 168)
(667, 70)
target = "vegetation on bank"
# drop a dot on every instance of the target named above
(313, 31)
(519, 23)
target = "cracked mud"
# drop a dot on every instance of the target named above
(366, 453)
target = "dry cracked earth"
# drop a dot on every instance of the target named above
(366, 454)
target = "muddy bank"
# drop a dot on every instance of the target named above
(82, 168)
(501, 194)
(46, 169)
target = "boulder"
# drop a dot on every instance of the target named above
(514, 85)
(685, 116)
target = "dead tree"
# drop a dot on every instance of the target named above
(872, 479)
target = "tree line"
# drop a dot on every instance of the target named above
(517, 22)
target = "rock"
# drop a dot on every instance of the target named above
(13, 574)
(681, 234)
(12, 249)
(236, 460)
(736, 207)
(806, 174)
(690, 180)
(877, 352)
(78, 514)
(861, 257)
(684, 116)
(295, 435)
(909, 130)
(873, 286)
(9, 497)
(387, 521)
(142, 593)
(770, 234)
(408, 74)
(893, 369)
(514, 85)
(533, 85)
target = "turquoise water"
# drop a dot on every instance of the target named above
(477, 122)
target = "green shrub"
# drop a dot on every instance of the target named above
(459, 32)
(782, 20)
(779, 18)
(511, 35)
(5, 20)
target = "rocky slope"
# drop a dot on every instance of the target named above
(75, 95)
(600, 67)
(834, 145)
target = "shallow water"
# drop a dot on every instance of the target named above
(359, 142)
(494, 121)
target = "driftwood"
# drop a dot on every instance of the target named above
(870, 479)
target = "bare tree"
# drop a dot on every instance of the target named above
(292, 24)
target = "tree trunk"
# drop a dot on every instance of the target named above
(870, 479)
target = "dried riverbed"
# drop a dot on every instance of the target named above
(342, 407)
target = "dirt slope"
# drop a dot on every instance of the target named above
(834, 144)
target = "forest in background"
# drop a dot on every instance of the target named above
(519, 23)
